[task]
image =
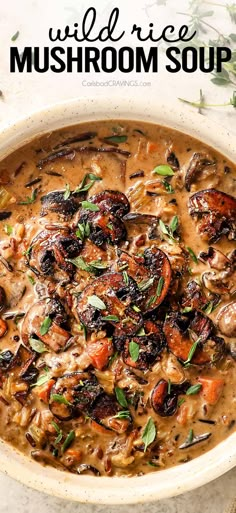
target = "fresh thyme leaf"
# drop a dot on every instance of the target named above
(8, 229)
(121, 398)
(174, 224)
(134, 350)
(163, 170)
(112, 358)
(83, 230)
(110, 226)
(90, 206)
(112, 318)
(124, 414)
(125, 277)
(168, 187)
(192, 352)
(149, 433)
(37, 345)
(30, 199)
(31, 279)
(169, 386)
(190, 435)
(98, 264)
(163, 228)
(136, 308)
(208, 308)
(68, 441)
(141, 333)
(145, 284)
(41, 380)
(194, 389)
(187, 309)
(181, 401)
(83, 187)
(59, 398)
(116, 139)
(66, 194)
(96, 302)
(160, 286)
(192, 254)
(45, 326)
(15, 36)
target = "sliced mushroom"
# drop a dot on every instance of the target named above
(22, 366)
(226, 320)
(117, 296)
(194, 296)
(198, 163)
(152, 274)
(215, 258)
(172, 160)
(217, 283)
(106, 224)
(56, 202)
(177, 329)
(144, 219)
(51, 250)
(56, 336)
(216, 213)
(165, 402)
(150, 346)
(77, 390)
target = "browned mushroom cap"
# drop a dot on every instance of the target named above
(55, 202)
(177, 329)
(56, 336)
(152, 274)
(106, 224)
(51, 250)
(215, 258)
(3, 299)
(150, 346)
(165, 402)
(73, 394)
(198, 163)
(116, 296)
(194, 296)
(21, 365)
(216, 212)
(226, 320)
(114, 202)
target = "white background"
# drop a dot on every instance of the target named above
(26, 93)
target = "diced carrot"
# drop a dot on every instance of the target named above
(43, 391)
(99, 352)
(3, 327)
(211, 389)
(151, 147)
(97, 427)
(74, 454)
(183, 414)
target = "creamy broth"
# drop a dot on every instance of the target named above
(118, 312)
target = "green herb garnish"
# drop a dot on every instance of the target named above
(31, 279)
(15, 36)
(8, 229)
(163, 170)
(121, 398)
(149, 433)
(96, 302)
(68, 441)
(118, 139)
(194, 389)
(84, 187)
(30, 199)
(192, 254)
(83, 230)
(134, 350)
(168, 187)
(124, 414)
(169, 387)
(192, 352)
(59, 432)
(66, 194)
(37, 345)
(160, 286)
(169, 230)
(126, 277)
(59, 398)
(181, 401)
(145, 284)
(112, 318)
(41, 380)
(90, 206)
(45, 326)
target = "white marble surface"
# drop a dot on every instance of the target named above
(25, 93)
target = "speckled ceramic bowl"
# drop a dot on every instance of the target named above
(164, 483)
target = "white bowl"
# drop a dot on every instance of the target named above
(164, 483)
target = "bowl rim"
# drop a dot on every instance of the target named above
(164, 483)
